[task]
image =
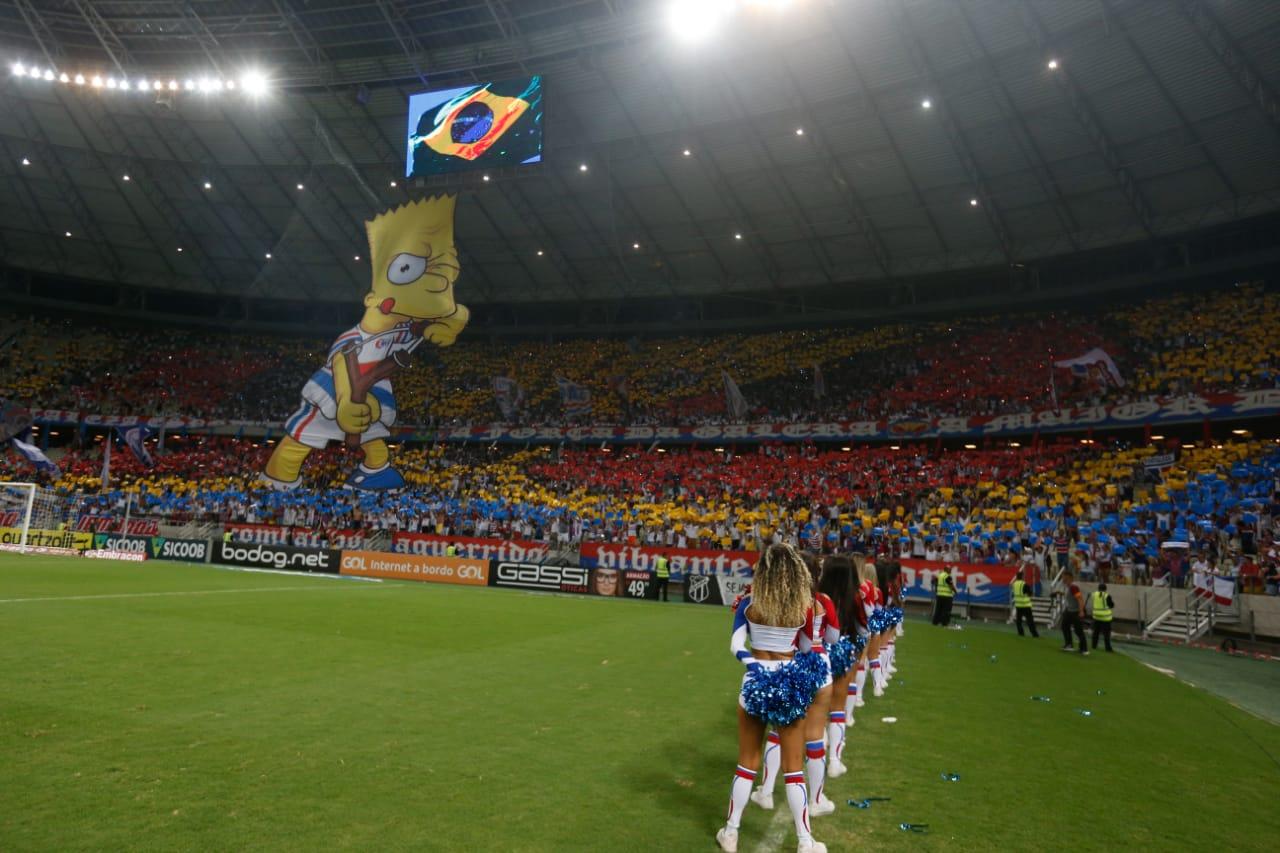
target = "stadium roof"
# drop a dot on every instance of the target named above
(798, 144)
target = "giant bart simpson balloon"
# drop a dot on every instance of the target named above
(415, 264)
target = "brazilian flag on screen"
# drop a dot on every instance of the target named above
(484, 125)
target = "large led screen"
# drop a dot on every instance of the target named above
(475, 127)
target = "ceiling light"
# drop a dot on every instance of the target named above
(79, 79)
(68, 233)
(1188, 447)
(142, 84)
(1239, 432)
(268, 256)
(971, 447)
(48, 74)
(357, 257)
(635, 246)
(688, 153)
(1157, 438)
(540, 253)
(26, 162)
(927, 104)
(179, 250)
(737, 236)
(111, 83)
(973, 202)
(157, 85)
(63, 78)
(799, 131)
(393, 183)
(846, 449)
(582, 167)
(208, 185)
(696, 20)
(254, 82)
(204, 84)
(1014, 444)
(189, 85)
(96, 82)
(173, 85)
(19, 70)
(231, 85)
(1053, 65)
(894, 447)
(301, 187)
(124, 177)
(485, 178)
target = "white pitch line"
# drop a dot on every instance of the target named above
(168, 594)
(776, 831)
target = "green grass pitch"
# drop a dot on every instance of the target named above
(161, 706)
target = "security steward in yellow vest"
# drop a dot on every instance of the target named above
(1022, 605)
(1101, 603)
(662, 574)
(944, 595)
(451, 551)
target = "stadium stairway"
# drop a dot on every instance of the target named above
(1182, 624)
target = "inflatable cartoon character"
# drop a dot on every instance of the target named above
(415, 264)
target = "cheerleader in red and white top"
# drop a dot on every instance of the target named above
(872, 604)
(822, 626)
(770, 620)
(861, 612)
(839, 584)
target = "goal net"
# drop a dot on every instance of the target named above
(31, 517)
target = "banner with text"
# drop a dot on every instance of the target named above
(38, 538)
(682, 560)
(297, 537)
(429, 544)
(410, 567)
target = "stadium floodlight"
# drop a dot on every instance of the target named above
(357, 257)
(973, 202)
(111, 83)
(799, 131)
(1157, 438)
(173, 85)
(393, 183)
(64, 78)
(96, 82)
(231, 85)
(927, 104)
(204, 84)
(124, 178)
(48, 74)
(971, 447)
(484, 178)
(268, 256)
(208, 185)
(696, 20)
(68, 233)
(179, 250)
(582, 167)
(1053, 65)
(635, 246)
(255, 83)
(19, 70)
(301, 187)
(737, 235)
(157, 85)
(189, 85)
(688, 153)
(217, 85)
(79, 79)
(26, 162)
(142, 85)
(541, 253)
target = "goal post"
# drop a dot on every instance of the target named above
(25, 507)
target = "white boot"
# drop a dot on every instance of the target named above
(811, 845)
(727, 839)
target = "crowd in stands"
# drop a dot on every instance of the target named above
(1216, 341)
(1092, 507)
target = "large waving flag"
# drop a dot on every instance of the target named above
(1097, 363)
(1224, 589)
(508, 394)
(734, 402)
(575, 398)
(134, 437)
(36, 457)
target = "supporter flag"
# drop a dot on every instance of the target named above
(508, 394)
(1202, 585)
(621, 386)
(36, 457)
(819, 382)
(734, 402)
(1095, 363)
(106, 460)
(1224, 589)
(134, 437)
(575, 398)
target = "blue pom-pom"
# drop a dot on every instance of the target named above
(779, 697)
(859, 643)
(878, 622)
(896, 615)
(842, 656)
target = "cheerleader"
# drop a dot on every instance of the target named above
(861, 639)
(821, 627)
(838, 585)
(873, 609)
(770, 618)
